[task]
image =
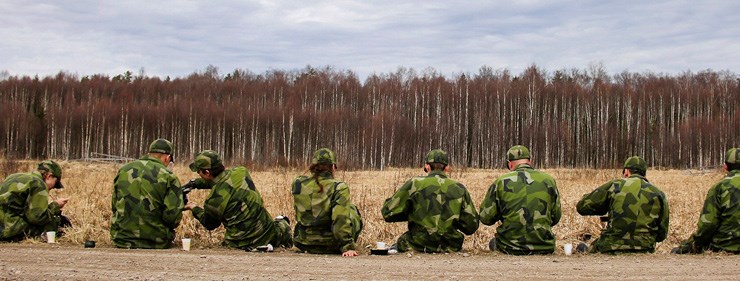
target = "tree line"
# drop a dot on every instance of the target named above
(568, 118)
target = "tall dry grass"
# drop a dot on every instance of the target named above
(89, 187)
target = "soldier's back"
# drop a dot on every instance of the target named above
(138, 204)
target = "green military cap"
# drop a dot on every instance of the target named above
(437, 156)
(161, 146)
(636, 163)
(206, 159)
(324, 156)
(518, 152)
(49, 166)
(732, 156)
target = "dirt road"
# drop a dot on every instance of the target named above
(57, 262)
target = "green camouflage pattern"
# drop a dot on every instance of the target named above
(437, 156)
(527, 203)
(326, 222)
(235, 203)
(638, 215)
(439, 212)
(518, 152)
(324, 156)
(161, 146)
(636, 163)
(147, 205)
(25, 210)
(732, 156)
(718, 228)
(206, 159)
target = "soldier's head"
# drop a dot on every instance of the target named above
(207, 164)
(162, 149)
(635, 165)
(52, 174)
(436, 160)
(517, 155)
(324, 161)
(732, 159)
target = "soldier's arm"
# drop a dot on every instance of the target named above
(468, 222)
(489, 213)
(557, 212)
(40, 211)
(664, 217)
(595, 203)
(709, 219)
(396, 208)
(173, 201)
(211, 214)
(200, 183)
(340, 216)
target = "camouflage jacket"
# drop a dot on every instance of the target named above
(527, 203)
(146, 205)
(438, 210)
(24, 207)
(325, 219)
(638, 215)
(719, 223)
(235, 202)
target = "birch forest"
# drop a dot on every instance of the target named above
(568, 118)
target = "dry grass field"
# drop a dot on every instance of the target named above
(89, 187)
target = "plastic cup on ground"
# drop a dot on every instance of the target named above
(568, 249)
(186, 244)
(380, 245)
(51, 237)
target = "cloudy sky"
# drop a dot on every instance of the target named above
(176, 38)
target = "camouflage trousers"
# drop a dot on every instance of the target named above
(606, 245)
(321, 240)
(284, 237)
(423, 242)
(494, 245)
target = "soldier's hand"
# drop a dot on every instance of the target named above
(350, 253)
(61, 202)
(190, 206)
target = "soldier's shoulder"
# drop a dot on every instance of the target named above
(541, 175)
(240, 169)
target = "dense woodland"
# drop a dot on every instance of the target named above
(569, 118)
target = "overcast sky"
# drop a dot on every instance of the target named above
(176, 38)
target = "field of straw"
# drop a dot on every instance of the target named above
(89, 187)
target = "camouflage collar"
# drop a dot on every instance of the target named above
(639, 176)
(326, 175)
(437, 173)
(523, 166)
(38, 174)
(222, 177)
(146, 157)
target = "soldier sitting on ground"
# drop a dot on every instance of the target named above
(326, 220)
(147, 201)
(235, 203)
(439, 210)
(718, 228)
(637, 211)
(25, 210)
(527, 203)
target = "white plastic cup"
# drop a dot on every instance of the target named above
(186, 244)
(380, 245)
(51, 237)
(568, 249)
